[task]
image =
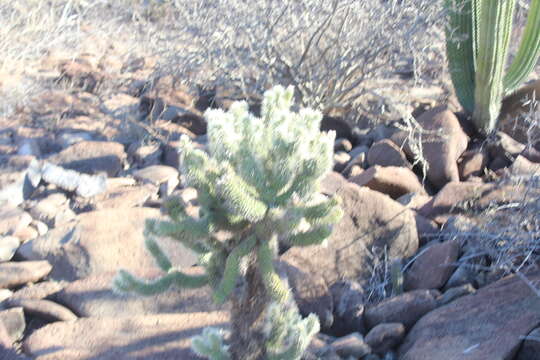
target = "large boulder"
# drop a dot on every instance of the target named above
(371, 222)
(489, 324)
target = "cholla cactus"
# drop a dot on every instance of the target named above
(259, 183)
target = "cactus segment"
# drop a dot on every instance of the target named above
(125, 282)
(460, 49)
(495, 25)
(311, 237)
(158, 254)
(190, 232)
(528, 52)
(232, 268)
(275, 287)
(239, 199)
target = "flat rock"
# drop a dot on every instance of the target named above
(157, 337)
(45, 309)
(92, 157)
(352, 345)
(37, 291)
(390, 180)
(102, 241)
(406, 308)
(488, 324)
(433, 267)
(93, 296)
(19, 273)
(371, 220)
(126, 197)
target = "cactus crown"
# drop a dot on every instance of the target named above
(477, 39)
(259, 184)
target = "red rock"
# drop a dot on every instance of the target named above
(489, 324)
(19, 273)
(390, 180)
(472, 163)
(443, 142)
(406, 308)
(386, 153)
(433, 267)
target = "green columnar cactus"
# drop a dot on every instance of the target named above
(477, 39)
(259, 182)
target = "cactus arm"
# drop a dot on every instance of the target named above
(190, 232)
(161, 259)
(528, 52)
(313, 236)
(272, 282)
(239, 200)
(495, 25)
(232, 269)
(127, 283)
(460, 48)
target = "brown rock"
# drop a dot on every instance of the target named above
(390, 180)
(514, 107)
(387, 153)
(166, 336)
(44, 309)
(53, 210)
(126, 197)
(19, 273)
(406, 308)
(37, 291)
(92, 157)
(504, 148)
(522, 166)
(531, 154)
(102, 241)
(371, 220)
(341, 158)
(427, 229)
(352, 345)
(443, 141)
(94, 297)
(81, 74)
(530, 349)
(121, 106)
(414, 201)
(332, 182)
(472, 163)
(385, 337)
(433, 267)
(13, 322)
(452, 199)
(488, 324)
(13, 219)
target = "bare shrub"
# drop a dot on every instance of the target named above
(331, 51)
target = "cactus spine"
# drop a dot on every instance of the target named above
(477, 40)
(259, 182)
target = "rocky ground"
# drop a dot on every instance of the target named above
(435, 258)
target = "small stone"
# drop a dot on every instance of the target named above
(8, 247)
(342, 144)
(145, 155)
(40, 226)
(456, 292)
(406, 308)
(341, 158)
(351, 345)
(387, 153)
(19, 273)
(13, 219)
(67, 139)
(166, 177)
(390, 180)
(384, 337)
(26, 234)
(13, 321)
